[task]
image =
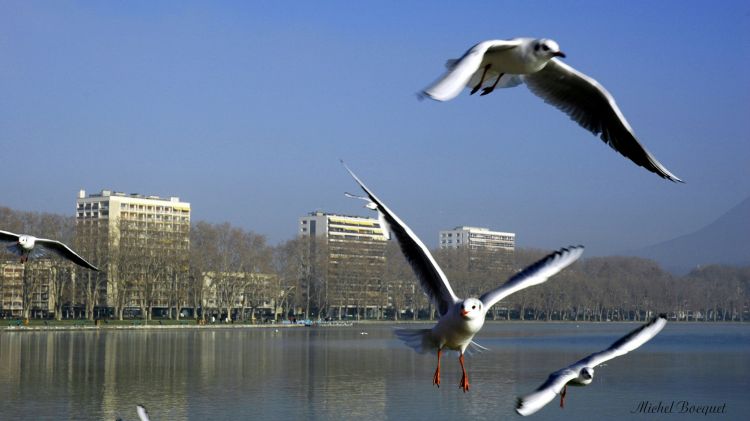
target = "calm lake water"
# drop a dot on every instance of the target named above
(340, 373)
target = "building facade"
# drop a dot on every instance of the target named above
(487, 249)
(140, 242)
(477, 238)
(34, 286)
(241, 295)
(355, 253)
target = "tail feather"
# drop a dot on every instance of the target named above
(420, 340)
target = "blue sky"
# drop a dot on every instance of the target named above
(244, 109)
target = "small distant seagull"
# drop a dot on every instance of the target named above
(27, 246)
(534, 61)
(142, 413)
(460, 319)
(582, 372)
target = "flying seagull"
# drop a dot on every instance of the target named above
(27, 246)
(460, 319)
(142, 413)
(582, 372)
(507, 63)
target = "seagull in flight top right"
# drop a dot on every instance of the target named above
(507, 63)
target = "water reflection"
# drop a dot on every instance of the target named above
(337, 373)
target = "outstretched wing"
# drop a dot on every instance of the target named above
(429, 274)
(534, 401)
(460, 71)
(142, 413)
(65, 252)
(585, 101)
(8, 237)
(627, 343)
(533, 275)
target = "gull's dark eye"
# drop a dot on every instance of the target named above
(473, 307)
(545, 48)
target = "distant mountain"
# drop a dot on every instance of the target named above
(725, 241)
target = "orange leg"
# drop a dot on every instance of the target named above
(562, 396)
(436, 377)
(464, 384)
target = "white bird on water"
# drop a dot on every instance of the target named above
(27, 246)
(581, 373)
(142, 413)
(460, 319)
(534, 61)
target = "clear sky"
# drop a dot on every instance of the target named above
(244, 109)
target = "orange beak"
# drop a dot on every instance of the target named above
(464, 312)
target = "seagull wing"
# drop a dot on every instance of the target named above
(535, 274)
(65, 252)
(430, 276)
(460, 71)
(142, 413)
(627, 343)
(585, 101)
(8, 237)
(534, 401)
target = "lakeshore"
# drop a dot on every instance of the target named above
(69, 325)
(73, 325)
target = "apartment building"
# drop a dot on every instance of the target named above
(141, 242)
(355, 252)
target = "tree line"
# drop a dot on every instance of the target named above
(228, 271)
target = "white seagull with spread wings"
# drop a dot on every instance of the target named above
(533, 61)
(460, 319)
(581, 373)
(27, 246)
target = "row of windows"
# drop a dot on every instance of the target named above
(150, 208)
(89, 206)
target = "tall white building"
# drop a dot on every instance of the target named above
(140, 242)
(355, 248)
(477, 238)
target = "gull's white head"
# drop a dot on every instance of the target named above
(471, 309)
(547, 48)
(26, 241)
(586, 375)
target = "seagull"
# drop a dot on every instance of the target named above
(535, 62)
(582, 372)
(27, 246)
(142, 413)
(460, 319)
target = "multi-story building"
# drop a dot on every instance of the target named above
(11, 289)
(31, 287)
(488, 249)
(140, 242)
(477, 238)
(240, 295)
(355, 253)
